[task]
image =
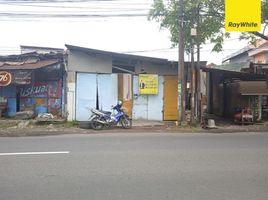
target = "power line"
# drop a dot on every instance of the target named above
(24, 15)
(88, 11)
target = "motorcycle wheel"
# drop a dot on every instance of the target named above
(95, 124)
(126, 122)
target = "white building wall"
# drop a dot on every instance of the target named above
(82, 62)
(71, 101)
(160, 69)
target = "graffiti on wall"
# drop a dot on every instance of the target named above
(42, 89)
(26, 104)
(54, 89)
(41, 95)
(22, 77)
(36, 90)
(54, 106)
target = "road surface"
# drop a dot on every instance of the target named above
(136, 166)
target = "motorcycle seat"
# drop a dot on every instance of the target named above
(106, 112)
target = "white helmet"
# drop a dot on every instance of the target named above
(120, 103)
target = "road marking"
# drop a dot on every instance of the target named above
(34, 153)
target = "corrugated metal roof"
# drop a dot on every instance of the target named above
(37, 65)
(119, 56)
(116, 55)
(239, 52)
(259, 43)
(233, 66)
(235, 75)
(257, 51)
(45, 48)
(253, 87)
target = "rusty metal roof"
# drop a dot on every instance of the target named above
(226, 74)
(29, 66)
(253, 87)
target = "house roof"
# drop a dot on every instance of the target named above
(232, 66)
(116, 55)
(234, 74)
(239, 52)
(29, 61)
(250, 48)
(249, 88)
(44, 48)
(28, 66)
(257, 51)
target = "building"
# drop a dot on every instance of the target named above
(99, 78)
(241, 82)
(229, 91)
(259, 54)
(240, 56)
(32, 82)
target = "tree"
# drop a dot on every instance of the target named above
(208, 13)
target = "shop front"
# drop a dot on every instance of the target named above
(34, 87)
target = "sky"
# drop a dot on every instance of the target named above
(111, 25)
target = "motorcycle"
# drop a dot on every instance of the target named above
(104, 119)
(243, 116)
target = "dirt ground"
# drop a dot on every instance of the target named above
(15, 128)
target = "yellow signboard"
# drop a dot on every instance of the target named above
(243, 15)
(148, 84)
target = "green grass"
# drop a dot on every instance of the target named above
(5, 125)
(57, 124)
(68, 124)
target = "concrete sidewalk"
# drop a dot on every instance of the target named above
(135, 123)
(22, 127)
(147, 123)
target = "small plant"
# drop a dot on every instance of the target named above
(7, 125)
(69, 124)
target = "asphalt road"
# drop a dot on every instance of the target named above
(138, 166)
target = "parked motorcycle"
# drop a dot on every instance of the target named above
(103, 119)
(243, 116)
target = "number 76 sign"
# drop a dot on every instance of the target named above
(5, 78)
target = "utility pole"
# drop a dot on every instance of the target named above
(181, 76)
(193, 76)
(198, 73)
(192, 89)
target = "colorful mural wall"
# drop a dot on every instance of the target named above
(41, 97)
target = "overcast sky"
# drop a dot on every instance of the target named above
(112, 25)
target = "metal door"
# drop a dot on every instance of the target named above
(107, 90)
(93, 89)
(86, 95)
(149, 107)
(171, 98)
(155, 102)
(140, 102)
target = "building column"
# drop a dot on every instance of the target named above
(71, 80)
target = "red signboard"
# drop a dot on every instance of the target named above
(5, 78)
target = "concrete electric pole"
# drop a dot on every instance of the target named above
(181, 73)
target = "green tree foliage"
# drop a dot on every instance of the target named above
(209, 13)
